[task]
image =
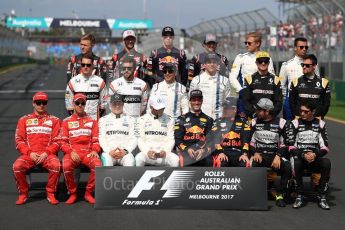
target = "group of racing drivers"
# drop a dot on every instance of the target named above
(163, 111)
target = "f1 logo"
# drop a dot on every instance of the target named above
(144, 182)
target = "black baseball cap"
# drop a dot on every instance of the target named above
(195, 93)
(168, 31)
(230, 102)
(211, 57)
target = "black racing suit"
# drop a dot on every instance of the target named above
(191, 132)
(115, 63)
(314, 90)
(161, 56)
(310, 136)
(269, 139)
(74, 67)
(232, 138)
(258, 86)
(197, 65)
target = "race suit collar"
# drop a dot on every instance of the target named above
(39, 115)
(117, 115)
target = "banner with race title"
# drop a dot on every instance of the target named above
(47, 22)
(194, 187)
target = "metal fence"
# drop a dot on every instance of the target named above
(11, 43)
(321, 22)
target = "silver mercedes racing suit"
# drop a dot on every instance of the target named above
(156, 134)
(94, 89)
(214, 89)
(117, 131)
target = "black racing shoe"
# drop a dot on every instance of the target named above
(280, 201)
(298, 202)
(323, 202)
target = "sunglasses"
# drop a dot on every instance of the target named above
(77, 103)
(263, 61)
(165, 71)
(306, 65)
(86, 64)
(304, 111)
(248, 43)
(127, 68)
(41, 102)
(303, 47)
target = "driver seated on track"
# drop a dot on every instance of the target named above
(156, 136)
(79, 137)
(117, 135)
(310, 145)
(230, 138)
(191, 130)
(267, 145)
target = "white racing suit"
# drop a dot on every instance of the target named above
(244, 65)
(94, 89)
(215, 89)
(175, 96)
(117, 131)
(156, 134)
(135, 95)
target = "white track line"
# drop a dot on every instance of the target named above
(32, 91)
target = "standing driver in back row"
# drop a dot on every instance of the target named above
(87, 42)
(167, 53)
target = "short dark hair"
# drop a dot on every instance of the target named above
(299, 39)
(87, 56)
(89, 37)
(308, 104)
(129, 59)
(312, 57)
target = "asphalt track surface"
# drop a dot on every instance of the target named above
(16, 90)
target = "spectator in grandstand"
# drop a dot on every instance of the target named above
(310, 87)
(191, 130)
(114, 64)
(74, 64)
(197, 64)
(117, 135)
(156, 136)
(268, 144)
(173, 92)
(214, 87)
(261, 84)
(90, 85)
(245, 64)
(133, 89)
(37, 142)
(79, 142)
(230, 137)
(309, 146)
(292, 69)
(167, 53)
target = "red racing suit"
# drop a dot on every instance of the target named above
(38, 134)
(81, 135)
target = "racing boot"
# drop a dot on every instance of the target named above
(72, 199)
(280, 200)
(298, 202)
(22, 198)
(51, 198)
(89, 198)
(323, 202)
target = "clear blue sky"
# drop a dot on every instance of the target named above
(177, 13)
